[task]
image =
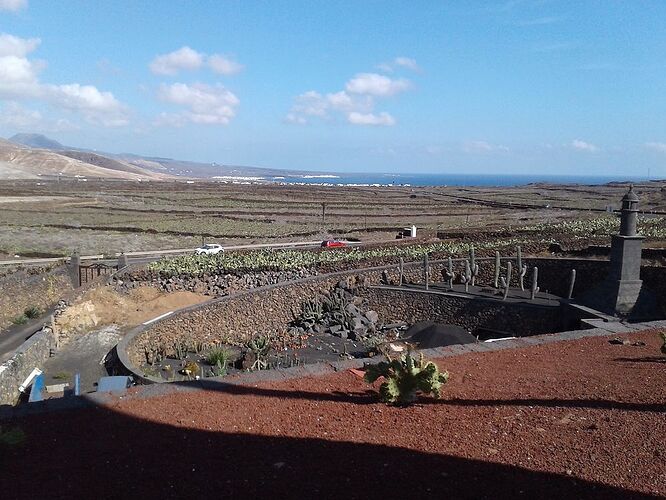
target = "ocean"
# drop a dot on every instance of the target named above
(357, 179)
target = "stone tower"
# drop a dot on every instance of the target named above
(625, 261)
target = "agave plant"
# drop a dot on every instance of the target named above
(405, 378)
(259, 346)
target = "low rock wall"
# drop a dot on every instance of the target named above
(268, 310)
(215, 285)
(30, 355)
(516, 319)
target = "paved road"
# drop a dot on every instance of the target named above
(14, 336)
(149, 256)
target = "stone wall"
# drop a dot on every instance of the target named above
(30, 287)
(269, 309)
(30, 355)
(517, 319)
(654, 280)
(215, 285)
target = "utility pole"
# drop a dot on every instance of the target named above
(323, 212)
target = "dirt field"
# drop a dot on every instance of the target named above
(579, 419)
(102, 306)
(108, 217)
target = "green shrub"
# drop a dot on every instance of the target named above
(405, 378)
(217, 356)
(32, 312)
(20, 320)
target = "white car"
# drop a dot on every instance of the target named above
(209, 249)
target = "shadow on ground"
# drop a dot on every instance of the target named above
(370, 397)
(100, 453)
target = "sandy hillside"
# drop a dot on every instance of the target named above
(19, 162)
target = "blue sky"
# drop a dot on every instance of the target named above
(550, 87)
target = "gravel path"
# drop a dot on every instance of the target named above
(579, 419)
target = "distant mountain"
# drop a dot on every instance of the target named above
(28, 162)
(36, 141)
(152, 166)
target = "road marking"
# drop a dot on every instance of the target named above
(158, 318)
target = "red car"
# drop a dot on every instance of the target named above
(333, 244)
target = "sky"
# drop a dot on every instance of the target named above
(493, 87)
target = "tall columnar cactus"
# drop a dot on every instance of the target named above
(405, 378)
(497, 269)
(521, 276)
(474, 267)
(450, 273)
(519, 257)
(535, 288)
(506, 282)
(466, 278)
(572, 282)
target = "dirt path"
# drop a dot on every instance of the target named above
(582, 419)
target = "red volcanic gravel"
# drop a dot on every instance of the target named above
(578, 419)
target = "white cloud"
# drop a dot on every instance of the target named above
(208, 104)
(382, 118)
(18, 117)
(294, 118)
(223, 65)
(356, 103)
(579, 145)
(376, 85)
(310, 103)
(399, 62)
(96, 106)
(11, 45)
(313, 104)
(483, 147)
(13, 5)
(19, 80)
(188, 59)
(171, 63)
(656, 146)
(406, 62)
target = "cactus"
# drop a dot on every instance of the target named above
(519, 258)
(497, 269)
(506, 282)
(572, 282)
(522, 271)
(474, 267)
(405, 378)
(467, 277)
(179, 350)
(259, 347)
(450, 274)
(535, 288)
(311, 314)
